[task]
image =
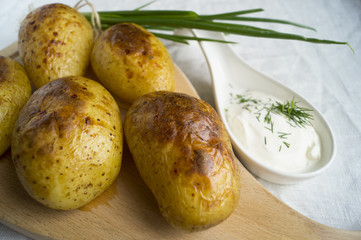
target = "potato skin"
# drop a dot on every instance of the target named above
(67, 143)
(15, 90)
(130, 62)
(54, 41)
(183, 153)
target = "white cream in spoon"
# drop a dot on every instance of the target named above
(271, 137)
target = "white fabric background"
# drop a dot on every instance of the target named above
(328, 75)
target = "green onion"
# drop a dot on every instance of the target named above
(269, 20)
(231, 14)
(145, 5)
(183, 39)
(168, 20)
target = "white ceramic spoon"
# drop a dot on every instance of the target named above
(229, 74)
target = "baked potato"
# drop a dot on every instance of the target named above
(67, 143)
(183, 153)
(55, 41)
(15, 90)
(130, 62)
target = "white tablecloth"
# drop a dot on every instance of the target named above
(328, 75)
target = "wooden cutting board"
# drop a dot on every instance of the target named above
(128, 210)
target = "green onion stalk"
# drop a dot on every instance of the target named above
(228, 23)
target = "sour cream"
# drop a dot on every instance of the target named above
(271, 137)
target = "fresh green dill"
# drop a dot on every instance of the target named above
(270, 128)
(267, 117)
(242, 99)
(247, 107)
(300, 116)
(296, 116)
(258, 115)
(283, 135)
(286, 144)
(290, 123)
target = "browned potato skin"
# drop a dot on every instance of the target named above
(183, 153)
(15, 90)
(54, 41)
(130, 62)
(67, 143)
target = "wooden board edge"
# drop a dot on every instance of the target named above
(10, 51)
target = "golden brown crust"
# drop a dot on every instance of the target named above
(41, 114)
(182, 120)
(15, 90)
(54, 41)
(67, 144)
(127, 39)
(191, 168)
(130, 62)
(4, 69)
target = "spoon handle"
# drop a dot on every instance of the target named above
(218, 55)
(230, 70)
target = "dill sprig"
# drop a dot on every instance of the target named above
(242, 99)
(283, 135)
(296, 116)
(286, 144)
(299, 115)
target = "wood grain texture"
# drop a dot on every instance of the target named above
(128, 210)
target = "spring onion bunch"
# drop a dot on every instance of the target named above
(229, 23)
